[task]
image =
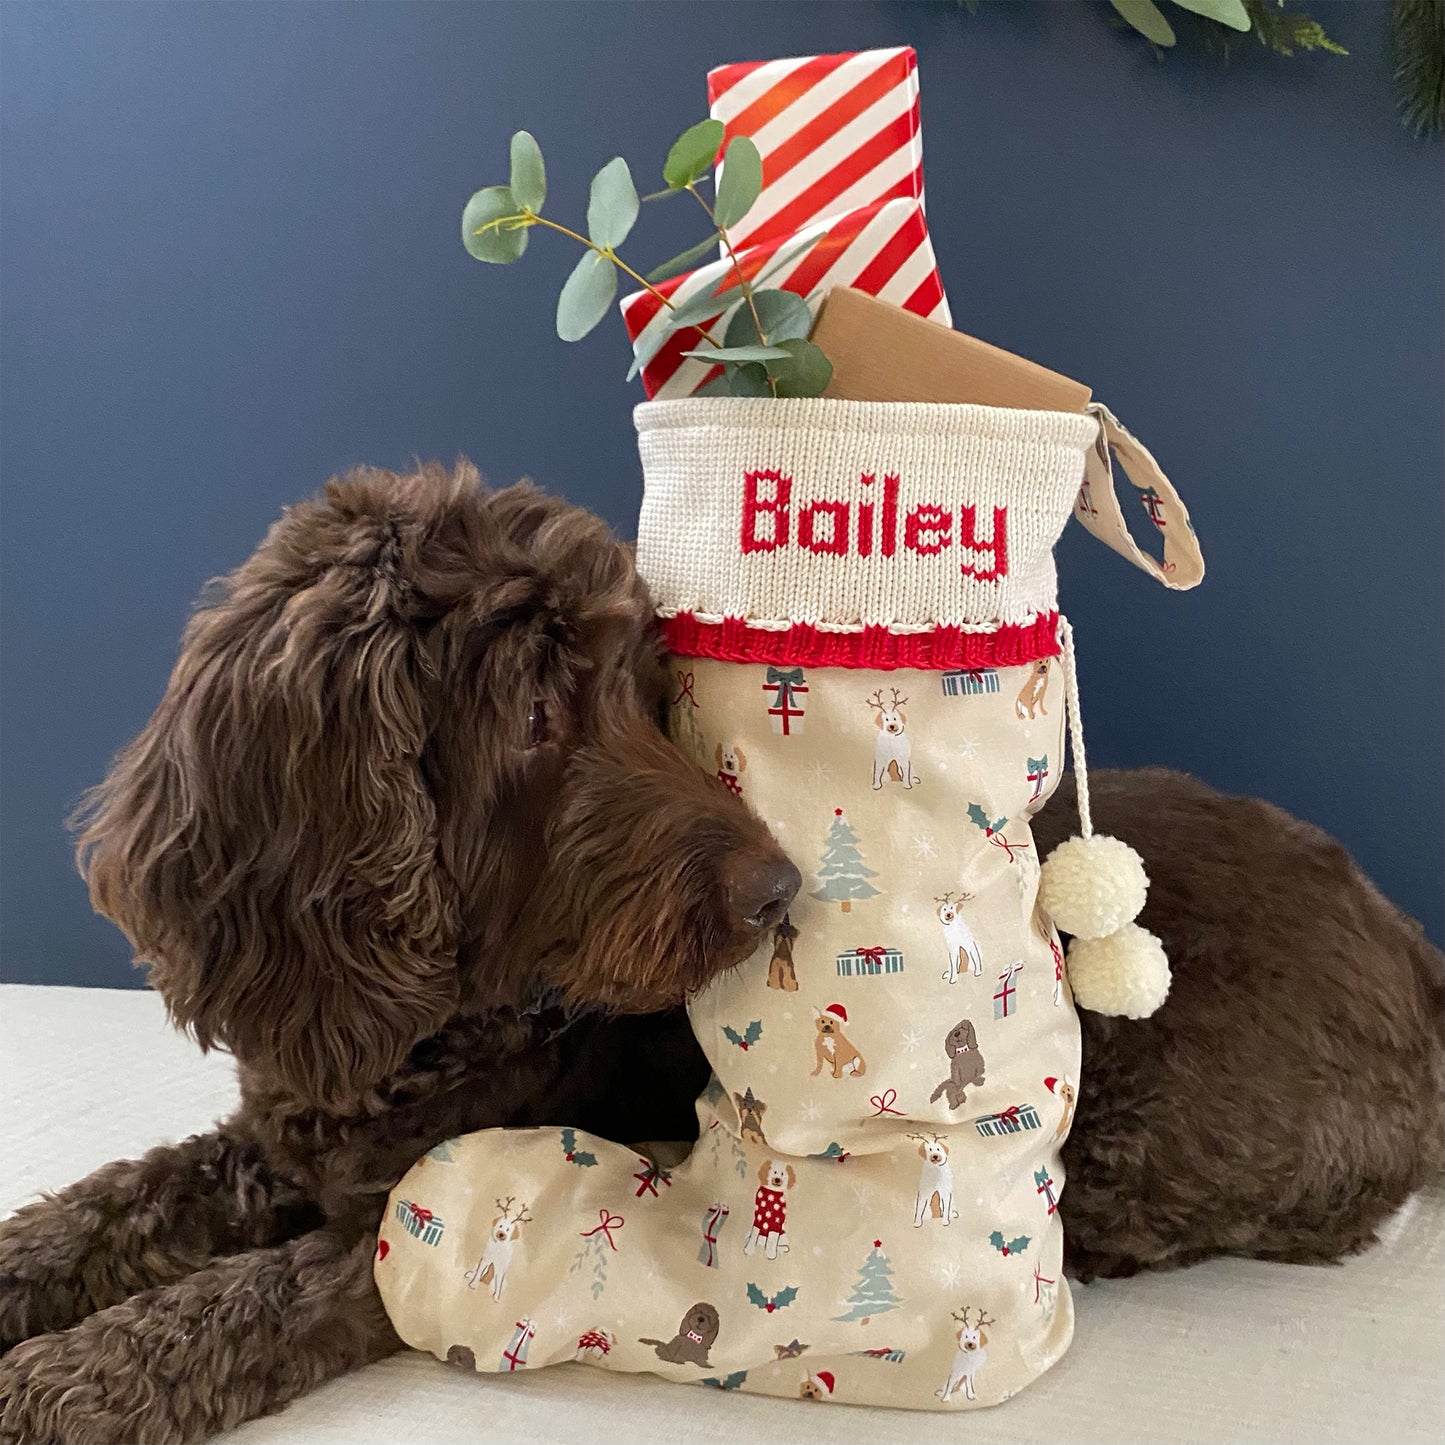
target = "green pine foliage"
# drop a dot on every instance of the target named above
(1418, 42)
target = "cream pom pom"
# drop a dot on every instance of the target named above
(1093, 886)
(1125, 973)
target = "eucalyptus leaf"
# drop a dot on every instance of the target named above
(612, 205)
(586, 297)
(646, 347)
(682, 261)
(784, 315)
(718, 386)
(497, 244)
(741, 183)
(1227, 12)
(703, 307)
(750, 380)
(739, 353)
(1146, 17)
(692, 153)
(805, 372)
(529, 175)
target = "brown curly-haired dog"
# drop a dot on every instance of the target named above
(1287, 1097)
(404, 836)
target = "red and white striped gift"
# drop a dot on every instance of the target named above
(842, 166)
(882, 249)
(836, 133)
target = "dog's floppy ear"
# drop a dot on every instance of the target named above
(717, 753)
(742, 759)
(268, 843)
(763, 1171)
(792, 1178)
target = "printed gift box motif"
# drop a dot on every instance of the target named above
(1008, 1121)
(970, 682)
(421, 1223)
(858, 961)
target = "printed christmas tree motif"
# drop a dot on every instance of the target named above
(573, 1155)
(1016, 1245)
(728, 1382)
(747, 1038)
(841, 872)
(993, 831)
(442, 1152)
(873, 1294)
(771, 1302)
(599, 1243)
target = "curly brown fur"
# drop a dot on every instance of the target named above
(404, 836)
(1287, 1097)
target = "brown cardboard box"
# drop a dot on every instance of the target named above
(883, 353)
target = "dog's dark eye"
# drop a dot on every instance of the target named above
(537, 724)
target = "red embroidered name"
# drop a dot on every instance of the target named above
(832, 527)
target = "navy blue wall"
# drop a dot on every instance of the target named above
(231, 267)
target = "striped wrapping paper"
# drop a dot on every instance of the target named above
(882, 249)
(836, 133)
(842, 167)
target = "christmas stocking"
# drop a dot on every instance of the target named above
(861, 600)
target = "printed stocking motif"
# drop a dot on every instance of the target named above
(870, 1213)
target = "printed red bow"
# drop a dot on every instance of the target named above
(609, 1222)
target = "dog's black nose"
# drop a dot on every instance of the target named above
(760, 890)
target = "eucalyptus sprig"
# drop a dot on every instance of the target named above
(765, 349)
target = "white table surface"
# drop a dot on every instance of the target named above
(1231, 1351)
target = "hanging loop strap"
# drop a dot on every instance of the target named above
(1076, 727)
(1097, 505)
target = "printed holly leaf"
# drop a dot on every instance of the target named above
(747, 1038)
(729, 1382)
(996, 1239)
(1017, 1246)
(785, 1297)
(757, 1297)
(977, 816)
(583, 1157)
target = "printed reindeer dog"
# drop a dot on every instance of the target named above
(898, 1205)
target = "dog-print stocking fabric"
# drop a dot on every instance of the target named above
(870, 1214)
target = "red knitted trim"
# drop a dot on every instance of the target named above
(874, 648)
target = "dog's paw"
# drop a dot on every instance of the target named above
(44, 1400)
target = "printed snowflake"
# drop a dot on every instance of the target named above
(923, 846)
(863, 1192)
(949, 1273)
(913, 1041)
(968, 748)
(821, 772)
(810, 1109)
